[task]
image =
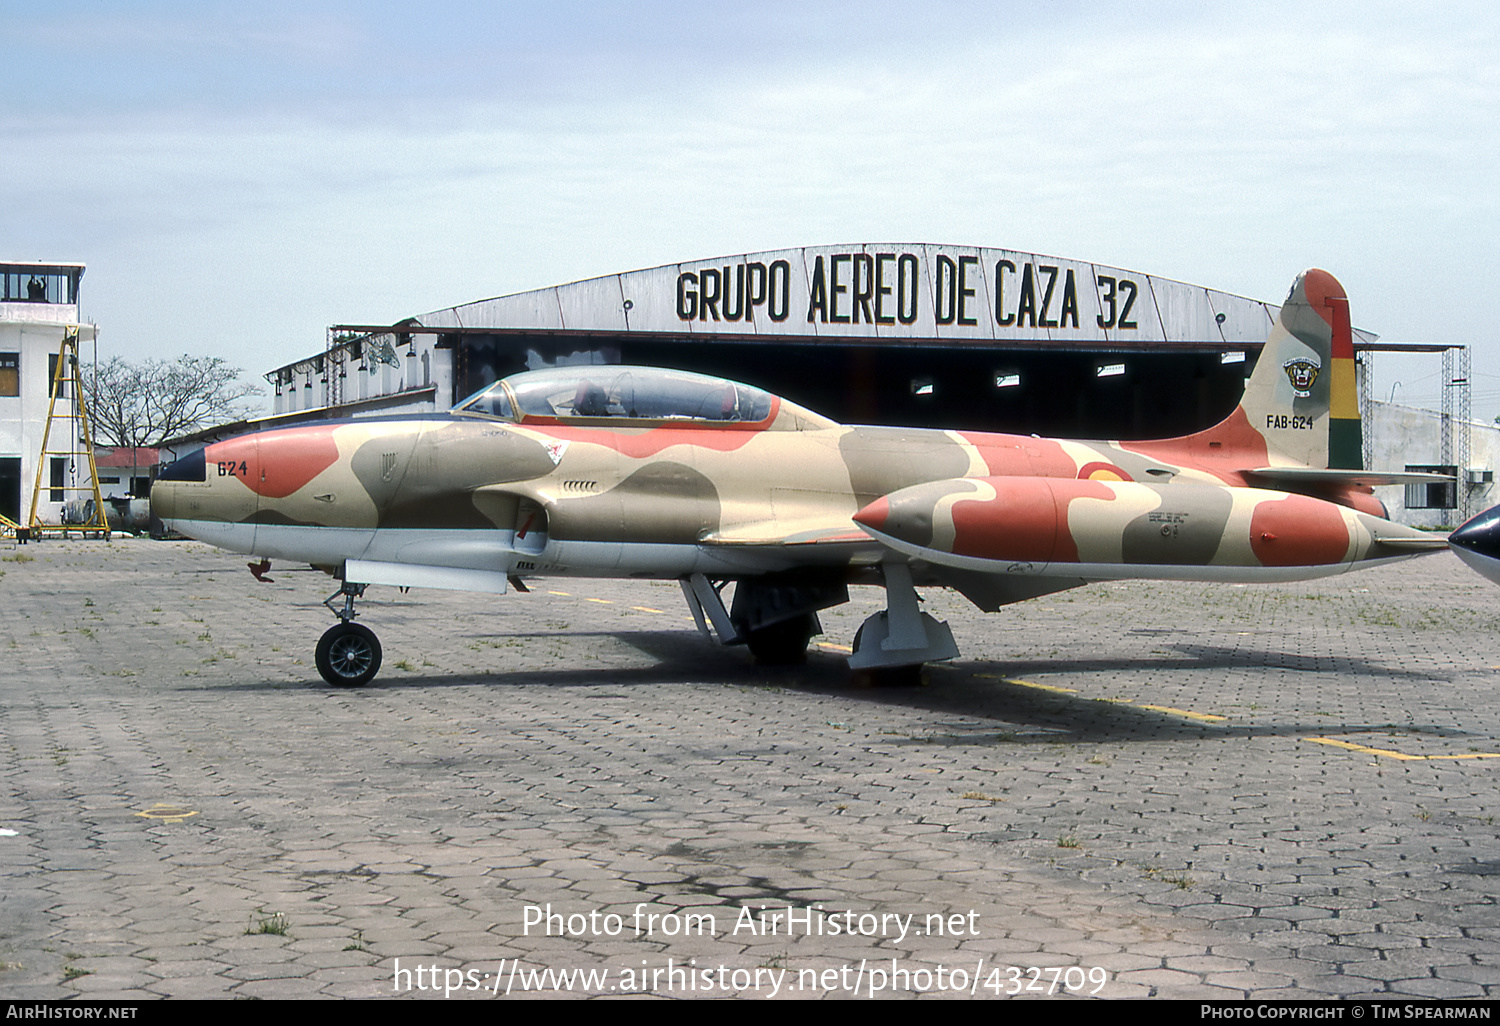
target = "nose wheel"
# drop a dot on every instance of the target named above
(348, 653)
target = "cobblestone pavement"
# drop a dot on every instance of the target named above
(1198, 791)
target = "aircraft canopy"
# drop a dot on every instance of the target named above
(600, 391)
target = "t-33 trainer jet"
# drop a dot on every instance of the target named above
(616, 471)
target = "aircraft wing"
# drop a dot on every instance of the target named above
(781, 533)
(1293, 478)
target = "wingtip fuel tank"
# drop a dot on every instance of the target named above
(1114, 529)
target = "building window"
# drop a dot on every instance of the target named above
(10, 374)
(59, 480)
(37, 284)
(1436, 494)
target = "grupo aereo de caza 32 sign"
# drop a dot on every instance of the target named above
(925, 287)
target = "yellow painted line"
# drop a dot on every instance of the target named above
(1363, 748)
(602, 602)
(1186, 714)
(1171, 710)
(1028, 684)
(1367, 750)
(830, 646)
(645, 609)
(1042, 687)
(567, 593)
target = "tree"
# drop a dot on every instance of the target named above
(144, 404)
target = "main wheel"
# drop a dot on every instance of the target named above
(348, 655)
(783, 643)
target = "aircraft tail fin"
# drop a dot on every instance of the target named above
(1302, 397)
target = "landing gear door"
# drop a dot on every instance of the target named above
(530, 527)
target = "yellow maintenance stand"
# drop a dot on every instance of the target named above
(76, 444)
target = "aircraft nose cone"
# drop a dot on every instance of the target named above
(875, 514)
(165, 494)
(1480, 535)
(904, 517)
(1477, 543)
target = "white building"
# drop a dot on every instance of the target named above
(1408, 438)
(125, 472)
(38, 308)
(367, 377)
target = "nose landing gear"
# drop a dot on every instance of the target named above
(348, 653)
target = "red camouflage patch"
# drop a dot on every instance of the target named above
(1230, 446)
(1298, 531)
(274, 464)
(1027, 520)
(1021, 455)
(639, 445)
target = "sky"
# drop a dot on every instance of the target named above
(238, 177)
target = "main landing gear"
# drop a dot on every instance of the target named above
(348, 653)
(774, 616)
(783, 643)
(892, 645)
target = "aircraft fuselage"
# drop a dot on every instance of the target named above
(670, 499)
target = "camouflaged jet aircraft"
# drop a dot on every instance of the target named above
(616, 471)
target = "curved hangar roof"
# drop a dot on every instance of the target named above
(891, 291)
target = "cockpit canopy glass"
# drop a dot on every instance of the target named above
(624, 393)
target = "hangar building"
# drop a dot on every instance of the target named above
(914, 334)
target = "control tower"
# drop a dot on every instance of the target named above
(38, 308)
